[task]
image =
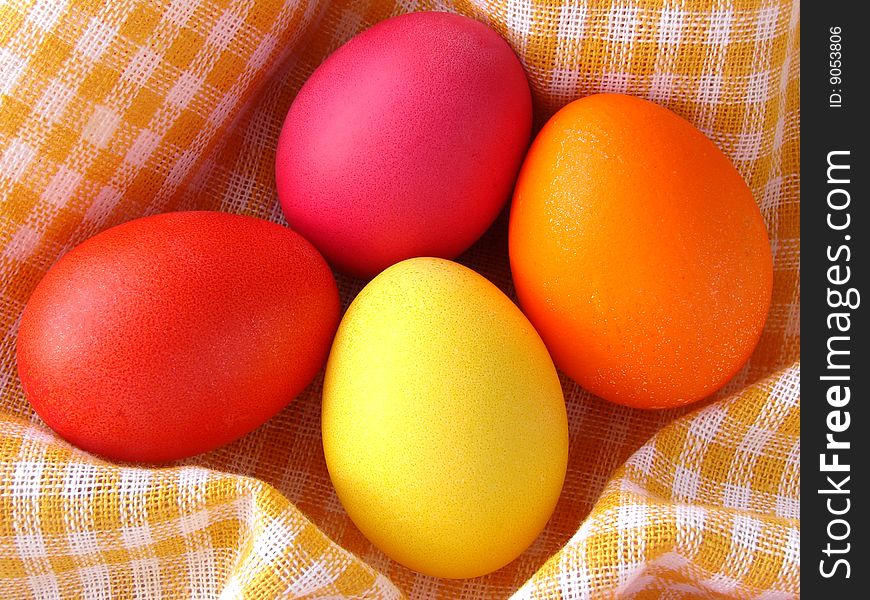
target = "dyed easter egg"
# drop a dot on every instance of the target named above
(639, 253)
(174, 334)
(405, 142)
(444, 426)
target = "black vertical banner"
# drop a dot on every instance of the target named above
(835, 361)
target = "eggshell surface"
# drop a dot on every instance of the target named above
(174, 334)
(405, 142)
(639, 253)
(444, 426)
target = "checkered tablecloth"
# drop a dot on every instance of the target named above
(114, 110)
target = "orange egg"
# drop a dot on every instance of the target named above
(639, 253)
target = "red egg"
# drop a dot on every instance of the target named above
(405, 142)
(174, 334)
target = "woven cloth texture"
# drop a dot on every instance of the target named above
(114, 110)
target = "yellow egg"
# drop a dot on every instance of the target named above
(444, 424)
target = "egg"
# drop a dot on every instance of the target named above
(174, 334)
(444, 425)
(639, 253)
(405, 142)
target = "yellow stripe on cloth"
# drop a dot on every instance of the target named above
(113, 110)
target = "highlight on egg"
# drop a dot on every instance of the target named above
(174, 334)
(639, 253)
(444, 425)
(405, 142)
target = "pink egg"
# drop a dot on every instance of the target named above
(405, 142)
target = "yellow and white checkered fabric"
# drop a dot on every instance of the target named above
(114, 110)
